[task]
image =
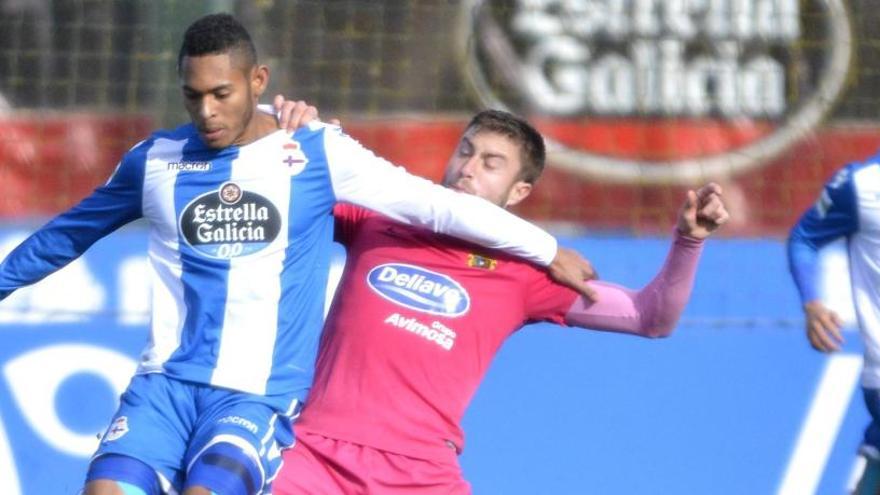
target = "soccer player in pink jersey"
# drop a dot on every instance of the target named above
(418, 317)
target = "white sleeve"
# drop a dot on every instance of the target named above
(362, 178)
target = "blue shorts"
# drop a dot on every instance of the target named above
(166, 423)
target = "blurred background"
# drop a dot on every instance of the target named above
(638, 100)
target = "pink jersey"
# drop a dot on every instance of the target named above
(417, 320)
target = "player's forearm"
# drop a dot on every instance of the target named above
(650, 312)
(40, 255)
(65, 238)
(803, 263)
(364, 179)
(476, 220)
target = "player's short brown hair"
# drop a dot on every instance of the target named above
(532, 151)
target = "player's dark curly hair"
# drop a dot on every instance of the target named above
(215, 34)
(521, 133)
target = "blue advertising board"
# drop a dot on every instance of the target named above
(733, 402)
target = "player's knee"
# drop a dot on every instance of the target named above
(227, 469)
(115, 474)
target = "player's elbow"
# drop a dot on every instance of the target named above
(659, 311)
(658, 332)
(658, 328)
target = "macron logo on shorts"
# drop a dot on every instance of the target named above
(238, 420)
(420, 289)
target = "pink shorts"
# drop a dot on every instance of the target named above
(317, 465)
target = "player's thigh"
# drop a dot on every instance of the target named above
(151, 426)
(237, 444)
(403, 475)
(306, 470)
(321, 465)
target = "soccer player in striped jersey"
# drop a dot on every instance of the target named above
(847, 208)
(418, 318)
(240, 224)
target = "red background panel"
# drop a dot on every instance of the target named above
(47, 163)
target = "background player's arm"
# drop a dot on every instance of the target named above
(833, 216)
(70, 234)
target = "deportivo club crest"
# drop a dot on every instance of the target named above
(294, 158)
(117, 429)
(230, 193)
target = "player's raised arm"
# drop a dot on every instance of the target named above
(654, 310)
(362, 178)
(565, 266)
(483, 223)
(703, 212)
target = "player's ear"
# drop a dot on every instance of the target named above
(520, 191)
(259, 79)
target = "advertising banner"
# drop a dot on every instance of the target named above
(733, 402)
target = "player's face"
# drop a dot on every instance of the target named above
(221, 96)
(488, 165)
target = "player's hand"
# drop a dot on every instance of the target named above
(293, 114)
(823, 327)
(703, 212)
(570, 269)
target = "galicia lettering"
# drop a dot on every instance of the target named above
(722, 61)
(231, 223)
(663, 57)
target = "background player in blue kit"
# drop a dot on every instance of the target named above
(848, 207)
(240, 217)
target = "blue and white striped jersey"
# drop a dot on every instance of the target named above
(849, 206)
(239, 245)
